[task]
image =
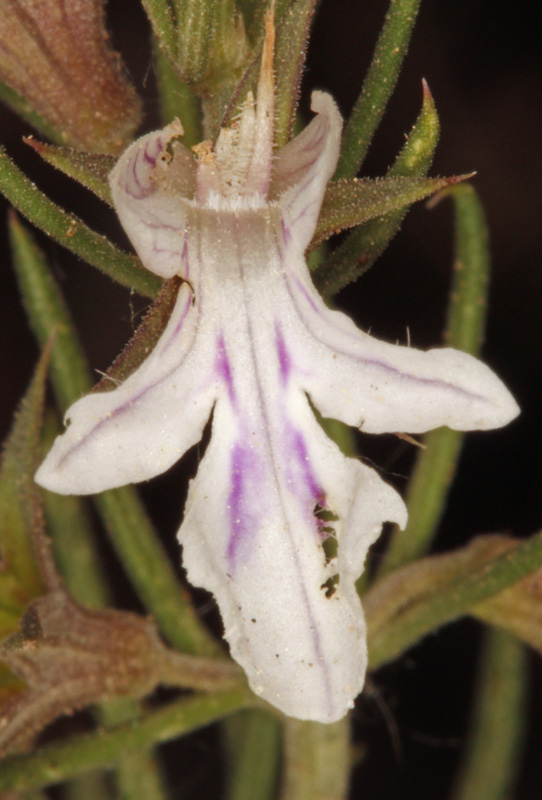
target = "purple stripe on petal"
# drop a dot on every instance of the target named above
(223, 368)
(180, 323)
(242, 503)
(185, 263)
(408, 377)
(286, 234)
(283, 354)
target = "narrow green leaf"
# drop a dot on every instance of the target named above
(441, 589)
(253, 744)
(353, 202)
(177, 100)
(91, 170)
(164, 24)
(436, 465)
(71, 232)
(290, 51)
(48, 314)
(101, 750)
(391, 48)
(492, 761)
(20, 580)
(363, 245)
(317, 760)
(23, 109)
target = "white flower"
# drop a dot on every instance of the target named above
(252, 344)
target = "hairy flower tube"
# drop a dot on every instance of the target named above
(252, 345)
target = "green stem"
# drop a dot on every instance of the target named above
(491, 762)
(436, 465)
(317, 760)
(71, 232)
(391, 48)
(102, 750)
(254, 754)
(408, 623)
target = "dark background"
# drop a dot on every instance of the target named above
(483, 62)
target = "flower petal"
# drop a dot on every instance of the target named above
(250, 535)
(145, 425)
(303, 168)
(381, 387)
(149, 187)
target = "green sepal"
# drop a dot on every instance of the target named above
(163, 19)
(364, 244)
(91, 170)
(72, 233)
(349, 203)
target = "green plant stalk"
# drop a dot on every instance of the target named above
(253, 745)
(366, 243)
(378, 86)
(127, 523)
(412, 622)
(317, 760)
(102, 750)
(436, 465)
(72, 233)
(492, 760)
